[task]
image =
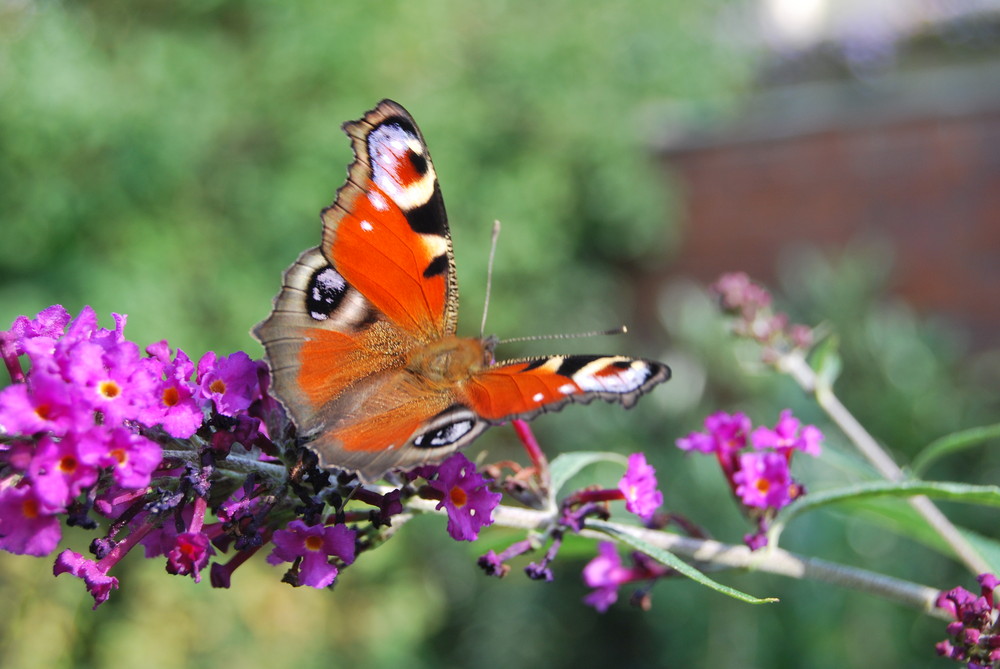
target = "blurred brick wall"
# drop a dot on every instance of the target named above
(917, 164)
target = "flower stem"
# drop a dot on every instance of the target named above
(234, 463)
(794, 364)
(715, 553)
(535, 453)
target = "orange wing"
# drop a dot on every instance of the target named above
(381, 284)
(387, 233)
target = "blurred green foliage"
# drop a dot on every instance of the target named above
(168, 160)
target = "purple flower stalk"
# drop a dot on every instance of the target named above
(760, 478)
(756, 318)
(186, 459)
(974, 636)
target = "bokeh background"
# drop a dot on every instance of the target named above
(169, 159)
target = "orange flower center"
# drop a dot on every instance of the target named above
(109, 390)
(43, 411)
(218, 386)
(171, 396)
(314, 543)
(68, 464)
(120, 455)
(458, 497)
(763, 485)
(29, 509)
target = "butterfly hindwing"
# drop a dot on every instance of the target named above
(526, 388)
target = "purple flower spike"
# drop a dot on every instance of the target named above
(786, 436)
(737, 291)
(763, 480)
(315, 544)
(972, 635)
(99, 584)
(466, 498)
(639, 487)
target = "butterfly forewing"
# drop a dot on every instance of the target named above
(388, 232)
(381, 284)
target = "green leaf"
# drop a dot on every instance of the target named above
(951, 443)
(957, 492)
(567, 465)
(898, 517)
(669, 559)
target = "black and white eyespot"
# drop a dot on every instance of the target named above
(324, 293)
(444, 436)
(452, 426)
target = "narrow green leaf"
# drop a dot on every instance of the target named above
(567, 465)
(951, 443)
(957, 492)
(669, 559)
(898, 517)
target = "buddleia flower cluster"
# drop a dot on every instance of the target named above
(195, 464)
(974, 633)
(756, 462)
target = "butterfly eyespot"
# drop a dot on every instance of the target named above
(444, 436)
(325, 292)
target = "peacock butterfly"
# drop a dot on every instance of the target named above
(361, 340)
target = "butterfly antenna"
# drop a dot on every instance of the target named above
(595, 333)
(489, 275)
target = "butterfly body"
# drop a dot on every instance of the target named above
(361, 341)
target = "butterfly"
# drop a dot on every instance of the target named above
(361, 341)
